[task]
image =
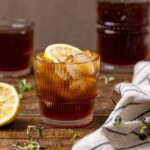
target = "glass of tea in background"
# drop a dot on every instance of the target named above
(16, 44)
(66, 91)
(123, 29)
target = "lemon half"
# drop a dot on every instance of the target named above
(9, 103)
(60, 52)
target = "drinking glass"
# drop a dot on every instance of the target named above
(16, 44)
(66, 91)
(123, 33)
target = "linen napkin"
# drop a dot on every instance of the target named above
(133, 104)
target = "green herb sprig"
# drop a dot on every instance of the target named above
(30, 144)
(75, 135)
(117, 120)
(143, 135)
(20, 95)
(144, 128)
(23, 86)
(107, 79)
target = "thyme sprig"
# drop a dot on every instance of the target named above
(20, 95)
(143, 135)
(30, 144)
(107, 79)
(75, 135)
(144, 129)
(23, 86)
(117, 120)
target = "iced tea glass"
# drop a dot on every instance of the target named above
(16, 45)
(66, 91)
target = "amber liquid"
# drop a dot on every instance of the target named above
(54, 105)
(123, 32)
(15, 50)
(73, 110)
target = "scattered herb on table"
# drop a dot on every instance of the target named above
(20, 95)
(143, 135)
(30, 144)
(75, 135)
(126, 81)
(145, 125)
(107, 79)
(117, 120)
(24, 86)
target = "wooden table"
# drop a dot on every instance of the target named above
(55, 138)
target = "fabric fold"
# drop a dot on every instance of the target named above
(132, 105)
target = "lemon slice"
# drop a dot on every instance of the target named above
(59, 52)
(9, 103)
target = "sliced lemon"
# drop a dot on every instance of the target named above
(9, 103)
(60, 52)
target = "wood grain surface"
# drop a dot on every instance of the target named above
(56, 138)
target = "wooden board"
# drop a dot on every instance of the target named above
(55, 138)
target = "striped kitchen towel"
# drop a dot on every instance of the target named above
(122, 130)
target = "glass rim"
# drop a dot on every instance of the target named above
(63, 63)
(16, 24)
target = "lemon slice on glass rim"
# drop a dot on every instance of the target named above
(9, 103)
(59, 52)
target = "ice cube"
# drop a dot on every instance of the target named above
(81, 86)
(81, 66)
(90, 54)
(77, 87)
(82, 58)
(69, 59)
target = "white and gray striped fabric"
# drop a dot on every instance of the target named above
(133, 104)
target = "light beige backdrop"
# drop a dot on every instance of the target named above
(57, 21)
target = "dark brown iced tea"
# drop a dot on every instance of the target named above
(66, 91)
(16, 44)
(123, 30)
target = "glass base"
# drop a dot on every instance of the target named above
(116, 68)
(15, 73)
(68, 124)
